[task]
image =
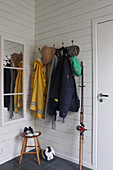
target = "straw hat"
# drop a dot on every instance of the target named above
(47, 54)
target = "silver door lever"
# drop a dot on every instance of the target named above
(103, 95)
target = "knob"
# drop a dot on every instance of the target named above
(101, 100)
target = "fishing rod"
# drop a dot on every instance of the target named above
(81, 127)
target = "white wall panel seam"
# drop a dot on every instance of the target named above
(37, 36)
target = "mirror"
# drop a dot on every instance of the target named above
(13, 69)
(12, 110)
(14, 52)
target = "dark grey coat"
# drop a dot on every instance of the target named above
(63, 88)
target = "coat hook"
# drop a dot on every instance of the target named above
(75, 50)
(39, 49)
(53, 45)
(62, 44)
(7, 57)
(72, 42)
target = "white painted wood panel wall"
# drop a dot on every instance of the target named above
(17, 21)
(60, 21)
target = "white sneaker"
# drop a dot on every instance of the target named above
(33, 131)
(27, 132)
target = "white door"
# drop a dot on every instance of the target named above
(105, 86)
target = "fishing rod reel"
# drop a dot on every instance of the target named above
(81, 128)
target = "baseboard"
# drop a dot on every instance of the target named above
(8, 159)
(74, 160)
(11, 157)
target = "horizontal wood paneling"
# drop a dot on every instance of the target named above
(17, 21)
(11, 6)
(26, 5)
(80, 11)
(77, 35)
(63, 7)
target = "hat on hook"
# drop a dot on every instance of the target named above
(75, 66)
(47, 54)
(16, 58)
(77, 50)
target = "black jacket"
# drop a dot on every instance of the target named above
(63, 88)
(9, 85)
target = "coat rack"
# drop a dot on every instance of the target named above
(74, 51)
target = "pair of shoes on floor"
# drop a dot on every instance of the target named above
(30, 132)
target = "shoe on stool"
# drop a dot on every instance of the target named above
(33, 131)
(27, 132)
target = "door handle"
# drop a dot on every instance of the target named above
(103, 95)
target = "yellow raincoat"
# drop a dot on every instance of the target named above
(39, 90)
(18, 99)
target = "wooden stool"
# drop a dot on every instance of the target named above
(24, 146)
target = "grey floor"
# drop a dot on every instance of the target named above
(29, 162)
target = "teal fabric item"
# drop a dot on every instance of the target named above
(75, 66)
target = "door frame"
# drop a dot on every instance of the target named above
(95, 23)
